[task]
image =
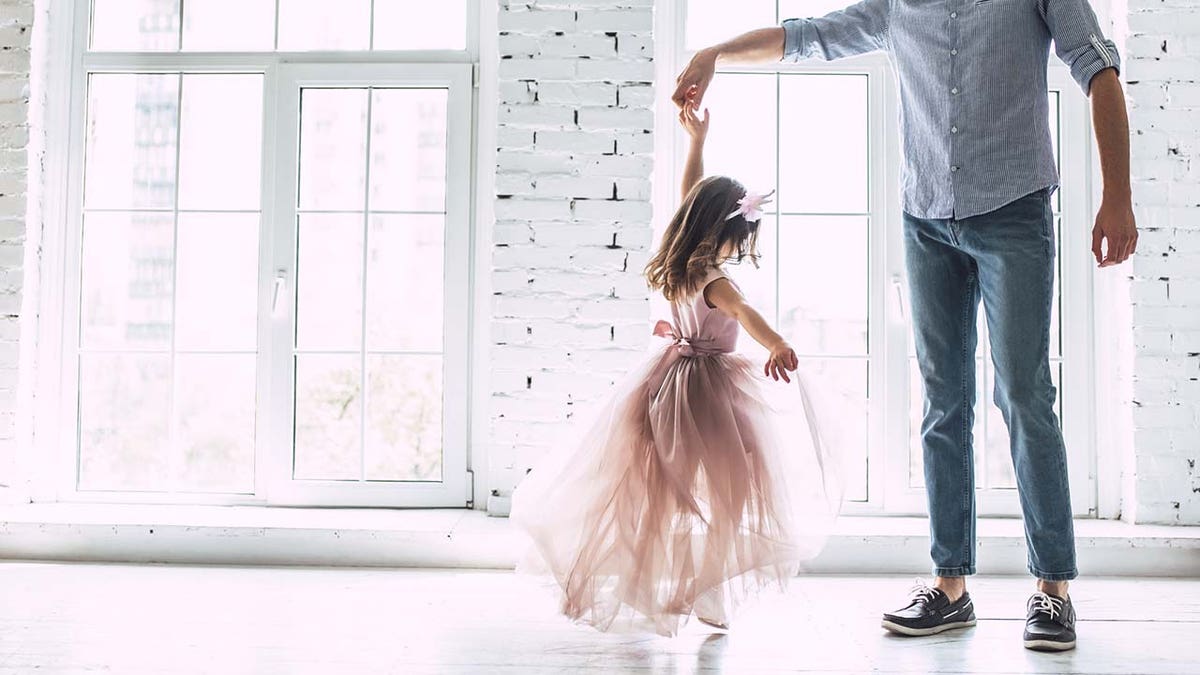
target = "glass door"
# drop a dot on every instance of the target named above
(370, 293)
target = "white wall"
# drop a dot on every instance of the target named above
(1162, 70)
(573, 217)
(16, 34)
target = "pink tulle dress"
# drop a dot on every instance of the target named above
(699, 482)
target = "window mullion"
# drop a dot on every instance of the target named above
(366, 219)
(173, 459)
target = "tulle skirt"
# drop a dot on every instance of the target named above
(699, 483)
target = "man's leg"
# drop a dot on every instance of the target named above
(944, 292)
(944, 298)
(1014, 248)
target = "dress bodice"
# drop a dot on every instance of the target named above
(700, 329)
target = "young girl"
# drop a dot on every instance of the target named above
(684, 496)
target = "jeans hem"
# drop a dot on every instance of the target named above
(954, 571)
(1054, 576)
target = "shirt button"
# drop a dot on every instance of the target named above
(953, 15)
(953, 52)
(954, 90)
(954, 130)
(953, 169)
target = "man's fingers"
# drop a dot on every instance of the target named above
(681, 91)
(1097, 239)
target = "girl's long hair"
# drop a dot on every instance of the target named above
(701, 236)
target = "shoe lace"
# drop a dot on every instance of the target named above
(921, 592)
(1042, 602)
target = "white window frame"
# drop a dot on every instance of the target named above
(49, 465)
(888, 430)
(452, 490)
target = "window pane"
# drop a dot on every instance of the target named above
(1055, 122)
(408, 150)
(214, 411)
(135, 25)
(405, 281)
(758, 284)
(916, 402)
(124, 441)
(329, 282)
(803, 9)
(333, 148)
(710, 22)
(741, 143)
(328, 417)
(229, 25)
(131, 133)
(221, 142)
(404, 418)
(217, 310)
(325, 25)
(127, 277)
(823, 275)
(835, 131)
(441, 25)
(844, 381)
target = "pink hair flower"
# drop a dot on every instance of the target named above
(750, 206)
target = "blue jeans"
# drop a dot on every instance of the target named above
(1005, 257)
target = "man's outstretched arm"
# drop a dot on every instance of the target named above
(857, 29)
(764, 45)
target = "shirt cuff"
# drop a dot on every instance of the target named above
(1102, 54)
(793, 34)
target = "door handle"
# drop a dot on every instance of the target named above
(277, 292)
(898, 297)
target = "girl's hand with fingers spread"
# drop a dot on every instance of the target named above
(691, 121)
(782, 359)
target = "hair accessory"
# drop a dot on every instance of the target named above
(750, 206)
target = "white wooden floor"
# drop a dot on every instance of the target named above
(165, 620)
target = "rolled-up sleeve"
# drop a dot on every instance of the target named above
(1078, 40)
(857, 29)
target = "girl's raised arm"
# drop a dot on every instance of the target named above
(723, 295)
(697, 129)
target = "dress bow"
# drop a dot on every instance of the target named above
(685, 345)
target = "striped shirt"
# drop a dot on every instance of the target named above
(974, 115)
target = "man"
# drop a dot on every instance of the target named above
(978, 175)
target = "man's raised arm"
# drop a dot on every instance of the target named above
(857, 29)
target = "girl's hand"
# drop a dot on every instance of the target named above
(782, 359)
(692, 123)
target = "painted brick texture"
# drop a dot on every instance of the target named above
(16, 29)
(573, 216)
(1163, 75)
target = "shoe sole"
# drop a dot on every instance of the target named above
(933, 630)
(1049, 645)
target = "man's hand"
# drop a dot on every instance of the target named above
(1115, 226)
(694, 80)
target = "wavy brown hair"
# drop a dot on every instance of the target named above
(700, 237)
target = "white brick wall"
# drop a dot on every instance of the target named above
(16, 31)
(1163, 74)
(573, 217)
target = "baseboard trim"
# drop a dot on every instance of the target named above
(459, 538)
